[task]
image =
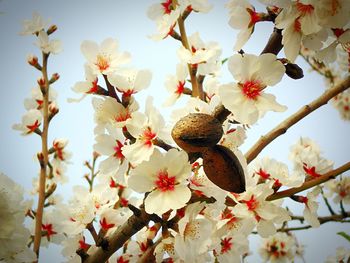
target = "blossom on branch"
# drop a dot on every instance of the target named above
(194, 237)
(203, 56)
(278, 248)
(31, 121)
(109, 111)
(252, 204)
(341, 189)
(200, 6)
(166, 25)
(165, 177)
(145, 128)
(130, 81)
(246, 99)
(104, 58)
(48, 46)
(89, 86)
(33, 26)
(111, 145)
(36, 101)
(242, 17)
(13, 234)
(176, 84)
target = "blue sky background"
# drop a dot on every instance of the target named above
(126, 20)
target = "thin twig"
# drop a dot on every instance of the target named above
(92, 231)
(327, 203)
(295, 118)
(43, 159)
(111, 90)
(322, 220)
(311, 183)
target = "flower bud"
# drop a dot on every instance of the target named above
(51, 29)
(294, 71)
(54, 78)
(41, 82)
(32, 60)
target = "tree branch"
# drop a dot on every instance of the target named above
(324, 219)
(293, 119)
(134, 224)
(308, 184)
(274, 46)
(196, 91)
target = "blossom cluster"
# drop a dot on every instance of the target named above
(13, 234)
(142, 170)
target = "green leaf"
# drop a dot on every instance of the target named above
(224, 61)
(344, 235)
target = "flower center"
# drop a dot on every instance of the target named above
(102, 62)
(263, 174)
(165, 183)
(311, 171)
(180, 87)
(147, 136)
(33, 127)
(83, 245)
(167, 6)
(226, 245)
(118, 150)
(251, 89)
(252, 203)
(93, 88)
(305, 9)
(254, 17)
(122, 116)
(49, 230)
(104, 224)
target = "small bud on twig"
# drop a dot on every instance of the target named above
(54, 78)
(33, 61)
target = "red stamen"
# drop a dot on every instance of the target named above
(226, 245)
(118, 150)
(254, 17)
(104, 225)
(164, 182)
(251, 89)
(33, 127)
(180, 87)
(311, 171)
(167, 6)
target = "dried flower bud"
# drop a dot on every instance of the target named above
(54, 78)
(51, 29)
(294, 71)
(223, 168)
(196, 132)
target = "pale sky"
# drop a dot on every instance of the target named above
(127, 21)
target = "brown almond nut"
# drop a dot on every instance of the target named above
(223, 168)
(197, 131)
